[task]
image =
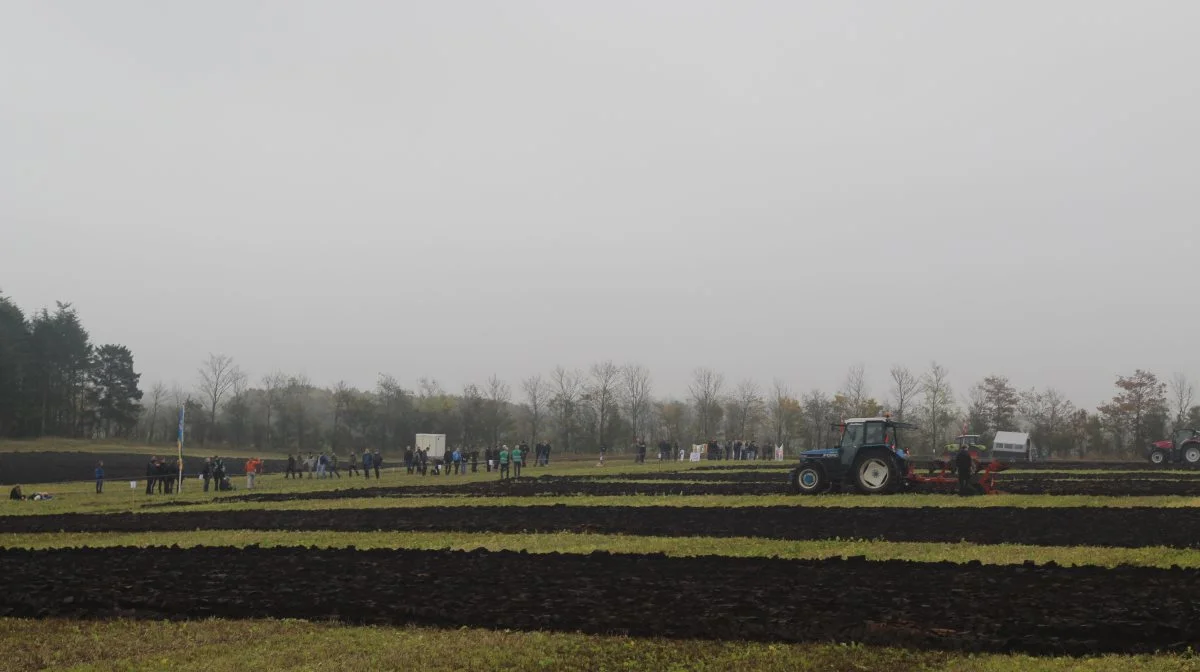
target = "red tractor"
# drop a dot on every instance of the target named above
(1183, 448)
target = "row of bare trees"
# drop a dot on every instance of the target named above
(615, 405)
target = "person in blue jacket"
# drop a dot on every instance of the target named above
(99, 477)
(367, 464)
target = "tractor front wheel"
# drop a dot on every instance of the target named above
(1158, 457)
(1191, 455)
(809, 479)
(876, 473)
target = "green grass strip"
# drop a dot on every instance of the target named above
(294, 646)
(567, 542)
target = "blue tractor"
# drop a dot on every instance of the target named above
(868, 458)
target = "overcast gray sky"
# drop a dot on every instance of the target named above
(452, 189)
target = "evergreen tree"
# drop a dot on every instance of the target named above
(115, 390)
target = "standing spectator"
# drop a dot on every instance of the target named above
(603, 450)
(366, 464)
(488, 458)
(207, 472)
(353, 462)
(291, 468)
(160, 471)
(474, 461)
(376, 462)
(333, 465)
(150, 471)
(99, 477)
(424, 461)
(219, 473)
(503, 462)
(517, 457)
(456, 460)
(409, 466)
(546, 455)
(641, 451)
(251, 471)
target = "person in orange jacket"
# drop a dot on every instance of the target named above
(251, 471)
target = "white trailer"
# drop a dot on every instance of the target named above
(1012, 446)
(434, 443)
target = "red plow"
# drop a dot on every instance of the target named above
(941, 477)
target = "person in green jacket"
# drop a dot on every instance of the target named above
(516, 458)
(503, 462)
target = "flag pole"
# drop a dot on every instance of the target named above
(179, 447)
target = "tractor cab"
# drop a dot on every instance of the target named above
(868, 456)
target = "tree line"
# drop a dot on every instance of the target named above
(53, 381)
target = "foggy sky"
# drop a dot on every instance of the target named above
(455, 189)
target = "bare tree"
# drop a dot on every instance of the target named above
(904, 389)
(635, 393)
(216, 378)
(567, 387)
(784, 409)
(238, 409)
(706, 393)
(537, 394)
(472, 410)
(1182, 396)
(273, 384)
(748, 403)
(158, 394)
(342, 396)
(937, 404)
(601, 391)
(856, 390)
(498, 394)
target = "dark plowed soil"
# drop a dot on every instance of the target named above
(1093, 526)
(939, 605)
(1117, 488)
(567, 486)
(1114, 476)
(1063, 465)
(79, 466)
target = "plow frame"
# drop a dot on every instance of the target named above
(984, 476)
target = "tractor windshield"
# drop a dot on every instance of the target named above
(1183, 435)
(875, 432)
(853, 436)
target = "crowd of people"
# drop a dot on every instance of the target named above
(163, 474)
(328, 465)
(737, 450)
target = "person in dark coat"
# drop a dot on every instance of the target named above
(207, 472)
(376, 462)
(964, 464)
(151, 470)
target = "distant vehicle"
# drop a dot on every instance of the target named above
(1012, 447)
(434, 443)
(1182, 448)
(971, 441)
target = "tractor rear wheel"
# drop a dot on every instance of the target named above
(1191, 455)
(876, 473)
(809, 479)
(1158, 456)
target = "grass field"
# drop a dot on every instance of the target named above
(236, 646)
(216, 644)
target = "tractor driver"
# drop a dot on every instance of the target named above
(963, 464)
